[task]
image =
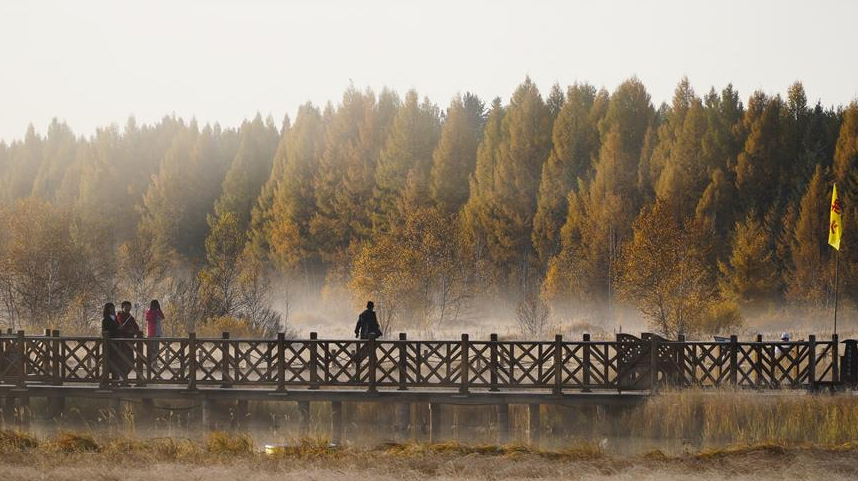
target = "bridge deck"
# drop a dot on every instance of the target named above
(334, 395)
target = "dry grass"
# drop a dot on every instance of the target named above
(174, 460)
(578, 451)
(731, 417)
(224, 444)
(70, 442)
(11, 440)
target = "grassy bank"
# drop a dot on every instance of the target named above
(74, 456)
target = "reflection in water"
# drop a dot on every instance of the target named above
(365, 424)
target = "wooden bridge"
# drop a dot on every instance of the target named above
(402, 371)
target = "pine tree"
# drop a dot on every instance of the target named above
(25, 159)
(575, 142)
(249, 170)
(476, 211)
(759, 164)
(511, 196)
(260, 217)
(601, 213)
(809, 281)
(455, 158)
(345, 178)
(165, 205)
(846, 153)
(750, 277)
(407, 151)
(683, 175)
(287, 229)
(555, 100)
(184, 190)
(846, 178)
(60, 149)
(219, 279)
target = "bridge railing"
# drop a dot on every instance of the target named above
(626, 363)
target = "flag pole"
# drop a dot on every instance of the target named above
(836, 269)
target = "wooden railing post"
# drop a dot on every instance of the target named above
(835, 353)
(138, 359)
(653, 359)
(811, 360)
(466, 365)
(586, 374)
(22, 359)
(734, 360)
(558, 365)
(105, 360)
(493, 354)
(225, 360)
(314, 362)
(192, 361)
(373, 361)
(281, 361)
(680, 360)
(57, 357)
(403, 361)
(758, 360)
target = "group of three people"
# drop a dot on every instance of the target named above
(124, 325)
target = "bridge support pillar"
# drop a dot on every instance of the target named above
(147, 410)
(56, 406)
(503, 423)
(207, 413)
(336, 422)
(304, 418)
(534, 425)
(403, 420)
(434, 422)
(242, 412)
(9, 410)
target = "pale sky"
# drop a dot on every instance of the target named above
(93, 63)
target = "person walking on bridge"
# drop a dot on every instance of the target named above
(367, 325)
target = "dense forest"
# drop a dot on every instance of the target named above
(700, 214)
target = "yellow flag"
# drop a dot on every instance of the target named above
(835, 227)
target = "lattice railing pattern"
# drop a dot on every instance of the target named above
(628, 363)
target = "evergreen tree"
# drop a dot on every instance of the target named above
(846, 179)
(575, 142)
(511, 196)
(60, 148)
(184, 191)
(287, 229)
(260, 217)
(750, 277)
(475, 213)
(25, 159)
(455, 158)
(683, 175)
(601, 213)
(810, 279)
(344, 181)
(555, 100)
(407, 151)
(758, 167)
(249, 170)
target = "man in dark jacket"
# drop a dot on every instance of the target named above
(367, 325)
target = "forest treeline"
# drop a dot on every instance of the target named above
(698, 213)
